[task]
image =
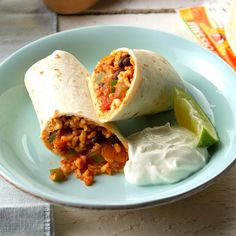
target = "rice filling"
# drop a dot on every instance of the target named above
(87, 149)
(114, 75)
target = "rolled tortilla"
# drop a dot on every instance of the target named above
(59, 92)
(148, 80)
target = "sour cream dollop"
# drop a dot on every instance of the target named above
(163, 155)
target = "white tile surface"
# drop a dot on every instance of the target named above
(166, 22)
(22, 22)
(16, 30)
(22, 6)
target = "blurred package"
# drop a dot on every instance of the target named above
(214, 26)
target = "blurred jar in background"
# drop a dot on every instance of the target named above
(69, 6)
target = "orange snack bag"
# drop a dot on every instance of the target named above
(208, 32)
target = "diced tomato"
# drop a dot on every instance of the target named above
(110, 90)
(106, 103)
(58, 144)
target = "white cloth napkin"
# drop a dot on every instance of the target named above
(21, 214)
(20, 23)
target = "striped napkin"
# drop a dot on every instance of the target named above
(22, 22)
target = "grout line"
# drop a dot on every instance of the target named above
(127, 11)
(100, 12)
(57, 27)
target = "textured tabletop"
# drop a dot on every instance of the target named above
(210, 212)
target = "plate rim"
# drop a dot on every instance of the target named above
(147, 203)
(114, 26)
(133, 206)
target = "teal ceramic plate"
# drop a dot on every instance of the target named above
(25, 162)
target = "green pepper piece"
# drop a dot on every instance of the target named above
(52, 136)
(57, 175)
(113, 82)
(97, 158)
(71, 152)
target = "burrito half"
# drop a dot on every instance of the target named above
(58, 89)
(129, 83)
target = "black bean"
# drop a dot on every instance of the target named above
(113, 139)
(115, 75)
(66, 131)
(124, 61)
(89, 144)
(98, 138)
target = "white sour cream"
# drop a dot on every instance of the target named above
(163, 155)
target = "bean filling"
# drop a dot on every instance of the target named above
(86, 149)
(124, 61)
(114, 76)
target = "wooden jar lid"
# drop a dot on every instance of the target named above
(69, 6)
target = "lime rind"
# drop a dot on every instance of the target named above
(190, 115)
(205, 139)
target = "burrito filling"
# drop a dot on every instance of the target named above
(114, 75)
(87, 149)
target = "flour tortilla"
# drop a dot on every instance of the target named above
(57, 86)
(151, 89)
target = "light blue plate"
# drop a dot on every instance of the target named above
(25, 162)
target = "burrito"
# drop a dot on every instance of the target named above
(129, 83)
(58, 88)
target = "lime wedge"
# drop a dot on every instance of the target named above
(190, 116)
